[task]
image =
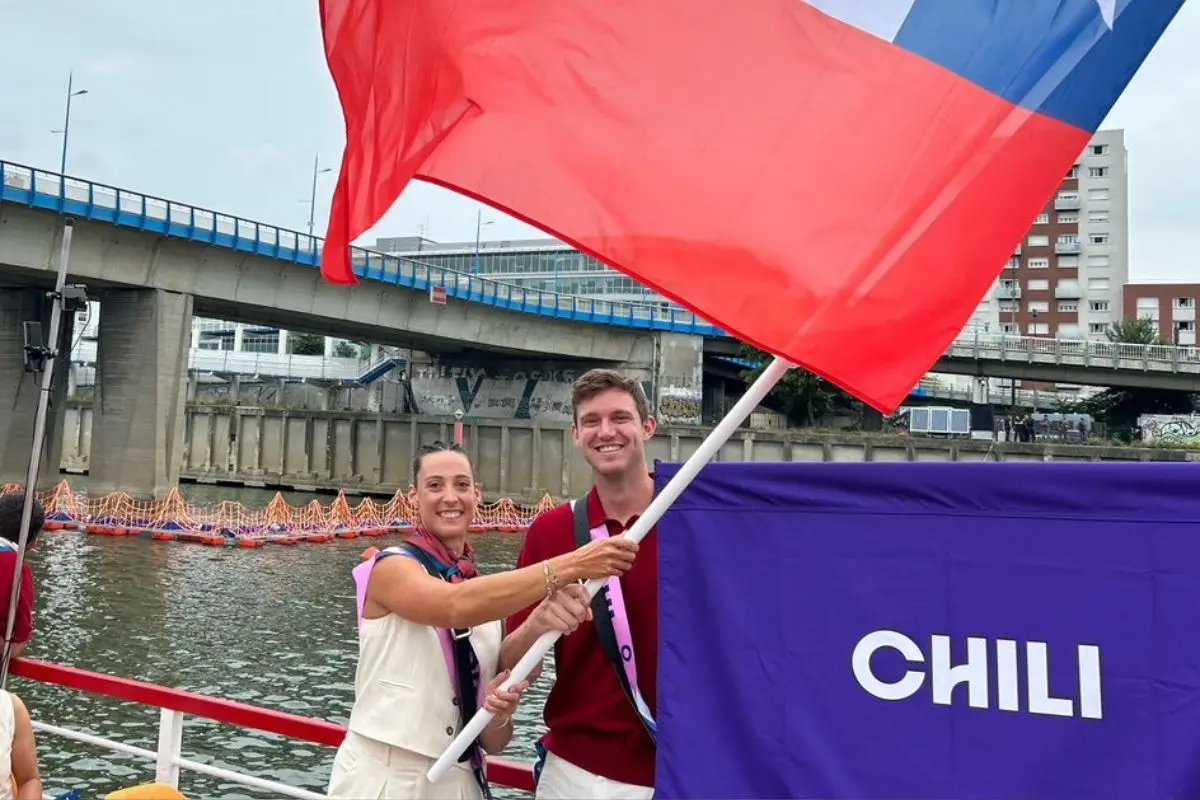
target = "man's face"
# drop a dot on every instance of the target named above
(610, 434)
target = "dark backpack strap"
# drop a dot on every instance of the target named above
(466, 664)
(601, 609)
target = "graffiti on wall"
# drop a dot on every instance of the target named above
(482, 393)
(1174, 429)
(679, 405)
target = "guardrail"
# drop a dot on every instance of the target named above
(231, 362)
(175, 704)
(1025, 398)
(50, 191)
(1085, 353)
(87, 200)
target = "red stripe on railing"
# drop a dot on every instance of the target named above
(500, 771)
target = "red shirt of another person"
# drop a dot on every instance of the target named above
(23, 625)
(591, 722)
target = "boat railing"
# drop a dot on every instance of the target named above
(175, 704)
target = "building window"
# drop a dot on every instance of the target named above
(1041, 219)
(1185, 302)
(1097, 284)
(1039, 307)
(1068, 262)
(1008, 327)
(1039, 328)
(1098, 306)
(1068, 330)
(1095, 195)
(1068, 307)
(1068, 218)
(1098, 215)
(1097, 172)
(1073, 172)
(1039, 241)
(1098, 238)
(1097, 327)
(1099, 149)
(1039, 285)
(1186, 325)
(1039, 263)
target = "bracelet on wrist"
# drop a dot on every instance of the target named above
(551, 578)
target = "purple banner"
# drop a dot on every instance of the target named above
(931, 631)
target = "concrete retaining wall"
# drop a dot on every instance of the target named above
(523, 459)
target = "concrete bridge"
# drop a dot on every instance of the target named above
(153, 263)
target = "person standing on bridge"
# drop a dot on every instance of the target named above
(429, 641)
(600, 712)
(11, 506)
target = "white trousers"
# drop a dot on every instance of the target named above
(562, 780)
(365, 769)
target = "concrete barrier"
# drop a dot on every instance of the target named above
(370, 453)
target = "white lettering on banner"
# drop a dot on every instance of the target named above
(974, 672)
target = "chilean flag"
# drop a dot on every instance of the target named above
(837, 182)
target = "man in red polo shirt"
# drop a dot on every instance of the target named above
(597, 745)
(11, 505)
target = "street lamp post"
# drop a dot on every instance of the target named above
(66, 130)
(312, 203)
(479, 223)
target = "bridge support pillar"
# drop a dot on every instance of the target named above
(141, 388)
(678, 378)
(980, 390)
(19, 389)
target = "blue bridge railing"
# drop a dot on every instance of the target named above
(94, 201)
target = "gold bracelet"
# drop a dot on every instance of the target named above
(551, 579)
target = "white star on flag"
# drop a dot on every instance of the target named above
(1108, 11)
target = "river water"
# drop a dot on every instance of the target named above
(273, 626)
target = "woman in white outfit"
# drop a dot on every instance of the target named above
(18, 751)
(429, 642)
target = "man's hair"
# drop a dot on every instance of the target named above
(11, 506)
(595, 381)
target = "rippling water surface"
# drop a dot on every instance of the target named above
(272, 626)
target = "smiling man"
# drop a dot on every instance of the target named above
(600, 710)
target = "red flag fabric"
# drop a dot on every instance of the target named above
(837, 182)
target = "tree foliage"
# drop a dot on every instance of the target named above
(802, 396)
(307, 344)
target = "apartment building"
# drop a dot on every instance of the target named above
(1171, 306)
(1066, 277)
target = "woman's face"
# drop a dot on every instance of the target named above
(445, 495)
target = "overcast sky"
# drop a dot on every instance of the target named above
(224, 104)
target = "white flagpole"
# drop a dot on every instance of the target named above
(669, 494)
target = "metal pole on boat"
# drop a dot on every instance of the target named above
(662, 501)
(39, 439)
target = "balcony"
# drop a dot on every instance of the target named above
(1004, 292)
(1068, 290)
(1067, 248)
(1067, 203)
